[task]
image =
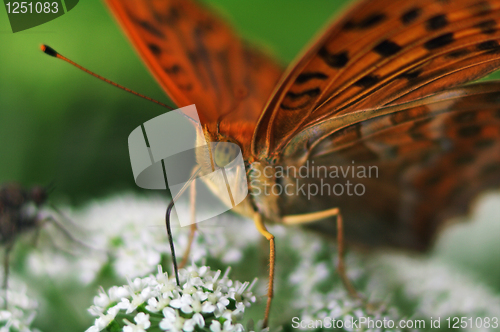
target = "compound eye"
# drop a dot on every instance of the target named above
(225, 153)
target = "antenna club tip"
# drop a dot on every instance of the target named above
(48, 50)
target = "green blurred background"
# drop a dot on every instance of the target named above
(58, 124)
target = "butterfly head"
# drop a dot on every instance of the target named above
(222, 166)
(219, 151)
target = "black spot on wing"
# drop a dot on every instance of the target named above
(492, 98)
(484, 143)
(367, 81)
(465, 117)
(490, 45)
(368, 22)
(490, 169)
(306, 77)
(440, 41)
(372, 20)
(469, 131)
(308, 95)
(411, 15)
(349, 25)
(417, 136)
(412, 74)
(206, 26)
(151, 29)
(175, 69)
(155, 49)
(434, 179)
(387, 48)
(436, 22)
(416, 129)
(487, 27)
(171, 16)
(458, 54)
(481, 8)
(465, 159)
(334, 60)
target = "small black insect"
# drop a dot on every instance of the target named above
(19, 213)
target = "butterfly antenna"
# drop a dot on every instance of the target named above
(50, 51)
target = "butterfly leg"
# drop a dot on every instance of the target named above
(341, 262)
(185, 257)
(192, 230)
(272, 256)
(316, 216)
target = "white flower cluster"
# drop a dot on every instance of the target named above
(130, 233)
(439, 290)
(337, 311)
(205, 301)
(20, 311)
(323, 297)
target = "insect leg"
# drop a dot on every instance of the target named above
(6, 266)
(296, 219)
(341, 263)
(185, 257)
(316, 216)
(67, 233)
(192, 230)
(36, 236)
(272, 256)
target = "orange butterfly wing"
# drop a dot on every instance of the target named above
(381, 52)
(198, 59)
(428, 163)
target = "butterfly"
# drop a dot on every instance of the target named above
(376, 109)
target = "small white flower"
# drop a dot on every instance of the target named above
(185, 308)
(156, 304)
(183, 303)
(142, 323)
(172, 321)
(21, 309)
(104, 320)
(196, 320)
(226, 327)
